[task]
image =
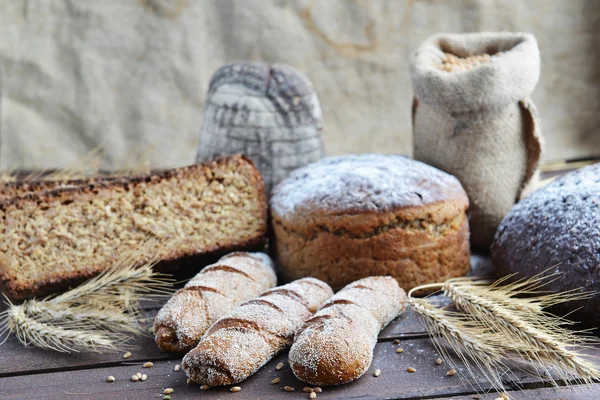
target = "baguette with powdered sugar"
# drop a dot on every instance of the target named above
(212, 293)
(336, 345)
(237, 345)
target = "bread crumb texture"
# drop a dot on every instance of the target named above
(53, 238)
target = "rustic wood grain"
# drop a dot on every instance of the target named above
(15, 359)
(562, 393)
(31, 373)
(393, 383)
(429, 381)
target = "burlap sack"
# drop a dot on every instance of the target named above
(480, 124)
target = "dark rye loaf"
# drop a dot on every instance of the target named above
(557, 227)
(53, 239)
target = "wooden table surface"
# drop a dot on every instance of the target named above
(30, 373)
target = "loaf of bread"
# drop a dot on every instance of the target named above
(56, 238)
(237, 345)
(349, 217)
(556, 230)
(336, 345)
(215, 291)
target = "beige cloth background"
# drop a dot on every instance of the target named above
(130, 76)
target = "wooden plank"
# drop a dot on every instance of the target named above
(16, 359)
(394, 382)
(429, 381)
(591, 392)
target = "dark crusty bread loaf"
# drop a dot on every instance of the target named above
(238, 344)
(212, 293)
(557, 230)
(58, 238)
(348, 217)
(336, 345)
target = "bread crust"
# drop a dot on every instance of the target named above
(335, 346)
(555, 230)
(419, 236)
(238, 344)
(213, 292)
(176, 258)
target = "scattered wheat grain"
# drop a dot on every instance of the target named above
(110, 379)
(176, 367)
(204, 387)
(396, 341)
(144, 377)
(235, 389)
(275, 381)
(279, 366)
(127, 355)
(168, 391)
(411, 370)
(439, 361)
(451, 372)
(288, 388)
(318, 389)
(308, 389)
(134, 378)
(377, 373)
(399, 350)
(312, 395)
(148, 364)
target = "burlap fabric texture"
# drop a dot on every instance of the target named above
(479, 124)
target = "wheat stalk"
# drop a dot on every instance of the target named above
(536, 338)
(497, 326)
(101, 317)
(478, 352)
(54, 336)
(95, 315)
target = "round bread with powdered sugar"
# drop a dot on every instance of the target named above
(348, 217)
(556, 231)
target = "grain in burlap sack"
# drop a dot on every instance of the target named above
(476, 121)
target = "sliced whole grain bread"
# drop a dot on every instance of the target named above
(56, 236)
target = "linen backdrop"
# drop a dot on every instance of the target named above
(130, 76)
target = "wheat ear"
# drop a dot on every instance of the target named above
(536, 338)
(478, 352)
(95, 315)
(58, 337)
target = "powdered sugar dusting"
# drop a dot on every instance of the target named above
(336, 345)
(214, 291)
(557, 227)
(238, 344)
(359, 183)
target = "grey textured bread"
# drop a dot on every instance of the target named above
(53, 239)
(336, 345)
(212, 293)
(270, 113)
(557, 230)
(349, 217)
(238, 344)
